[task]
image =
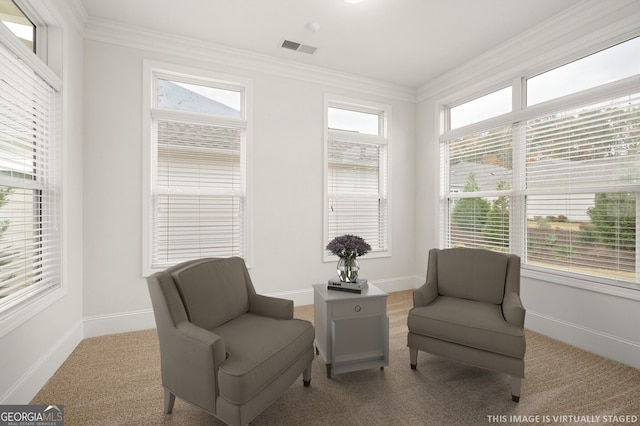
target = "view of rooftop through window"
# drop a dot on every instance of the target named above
(16, 21)
(354, 121)
(199, 98)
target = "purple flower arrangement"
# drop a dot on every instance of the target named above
(349, 246)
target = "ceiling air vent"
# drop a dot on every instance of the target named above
(298, 47)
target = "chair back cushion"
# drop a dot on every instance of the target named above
(473, 274)
(213, 291)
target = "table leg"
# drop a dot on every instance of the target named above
(328, 371)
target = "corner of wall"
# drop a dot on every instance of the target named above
(41, 371)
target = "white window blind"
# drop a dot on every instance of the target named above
(356, 196)
(479, 189)
(582, 180)
(357, 190)
(29, 243)
(198, 189)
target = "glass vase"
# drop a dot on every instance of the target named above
(348, 269)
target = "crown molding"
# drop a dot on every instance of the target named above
(589, 25)
(179, 46)
(56, 13)
(79, 14)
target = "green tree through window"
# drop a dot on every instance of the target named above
(613, 220)
(496, 227)
(470, 214)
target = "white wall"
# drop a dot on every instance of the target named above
(595, 317)
(47, 331)
(286, 173)
(427, 184)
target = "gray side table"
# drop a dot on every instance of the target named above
(352, 330)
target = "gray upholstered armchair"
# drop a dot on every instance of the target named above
(469, 310)
(223, 347)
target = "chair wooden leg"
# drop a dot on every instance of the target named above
(515, 388)
(169, 399)
(306, 376)
(413, 358)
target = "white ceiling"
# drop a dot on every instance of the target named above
(406, 42)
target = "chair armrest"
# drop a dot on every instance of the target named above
(425, 294)
(512, 309)
(190, 359)
(271, 306)
(198, 337)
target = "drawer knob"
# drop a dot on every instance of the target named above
(357, 308)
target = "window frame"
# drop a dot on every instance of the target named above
(34, 30)
(521, 113)
(383, 138)
(31, 302)
(152, 71)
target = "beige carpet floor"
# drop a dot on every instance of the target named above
(115, 380)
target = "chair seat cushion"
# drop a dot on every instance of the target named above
(259, 348)
(475, 324)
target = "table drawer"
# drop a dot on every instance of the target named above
(357, 308)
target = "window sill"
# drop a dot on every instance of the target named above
(582, 282)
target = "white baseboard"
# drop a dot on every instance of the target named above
(100, 325)
(122, 322)
(23, 391)
(603, 344)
